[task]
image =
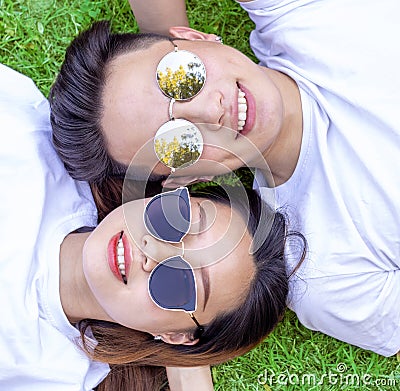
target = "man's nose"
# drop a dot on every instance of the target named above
(205, 108)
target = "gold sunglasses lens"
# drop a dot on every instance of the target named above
(181, 75)
(178, 143)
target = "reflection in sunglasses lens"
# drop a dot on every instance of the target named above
(178, 143)
(181, 75)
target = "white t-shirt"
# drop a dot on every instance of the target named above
(39, 205)
(345, 191)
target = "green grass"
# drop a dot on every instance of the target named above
(34, 35)
(308, 361)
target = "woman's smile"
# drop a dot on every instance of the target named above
(119, 256)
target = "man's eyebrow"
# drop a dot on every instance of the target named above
(205, 276)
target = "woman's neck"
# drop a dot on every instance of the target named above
(77, 299)
(283, 154)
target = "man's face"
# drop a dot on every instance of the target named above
(135, 108)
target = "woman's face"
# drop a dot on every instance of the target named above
(134, 106)
(217, 247)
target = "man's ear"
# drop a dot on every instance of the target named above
(174, 182)
(191, 34)
(173, 338)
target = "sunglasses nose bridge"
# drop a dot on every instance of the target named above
(170, 108)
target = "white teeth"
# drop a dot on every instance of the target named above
(242, 110)
(120, 257)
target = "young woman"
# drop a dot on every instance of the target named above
(322, 114)
(143, 290)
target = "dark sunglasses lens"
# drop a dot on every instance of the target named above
(167, 215)
(172, 285)
(181, 75)
(178, 143)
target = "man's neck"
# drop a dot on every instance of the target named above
(284, 153)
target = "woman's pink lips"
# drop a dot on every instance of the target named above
(112, 256)
(251, 106)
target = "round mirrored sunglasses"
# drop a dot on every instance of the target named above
(181, 75)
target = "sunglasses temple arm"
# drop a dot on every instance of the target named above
(194, 319)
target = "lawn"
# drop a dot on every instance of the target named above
(34, 35)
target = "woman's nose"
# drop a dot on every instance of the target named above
(156, 251)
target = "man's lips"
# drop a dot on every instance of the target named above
(124, 256)
(251, 111)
